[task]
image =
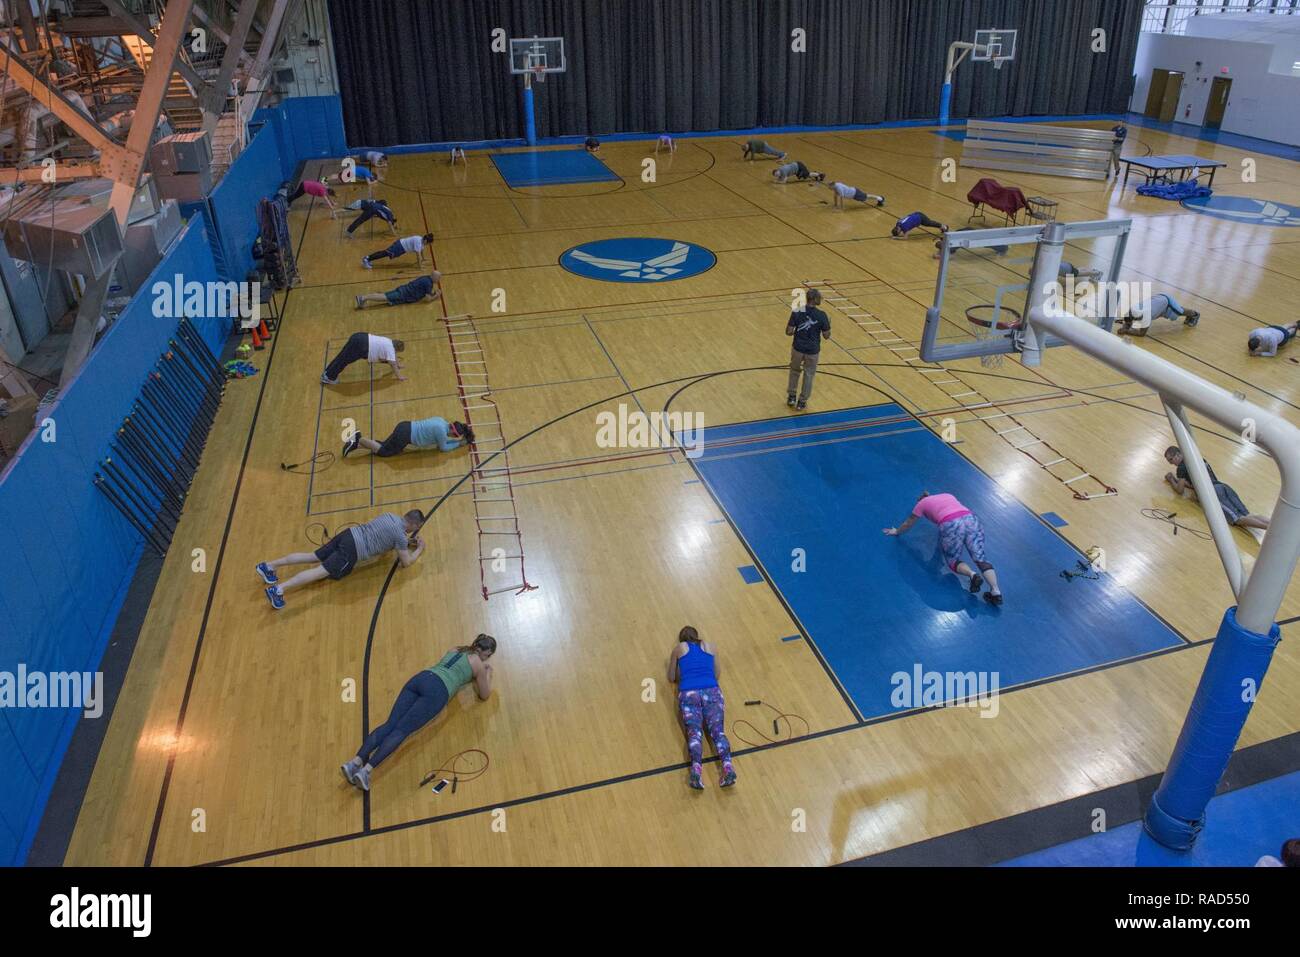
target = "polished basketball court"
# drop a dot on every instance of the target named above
(225, 744)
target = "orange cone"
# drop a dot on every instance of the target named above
(257, 340)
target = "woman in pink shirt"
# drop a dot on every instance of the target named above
(958, 529)
(313, 187)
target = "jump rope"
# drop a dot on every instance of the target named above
(455, 767)
(778, 716)
(317, 463)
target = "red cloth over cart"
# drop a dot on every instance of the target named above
(1005, 199)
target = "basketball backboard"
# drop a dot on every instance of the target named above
(997, 46)
(982, 289)
(530, 55)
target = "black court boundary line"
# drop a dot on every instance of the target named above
(1008, 838)
(216, 570)
(678, 767)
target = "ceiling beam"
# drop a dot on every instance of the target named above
(214, 103)
(44, 94)
(142, 30)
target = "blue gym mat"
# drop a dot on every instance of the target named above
(1241, 827)
(828, 483)
(551, 168)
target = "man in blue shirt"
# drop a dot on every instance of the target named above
(422, 433)
(417, 290)
(808, 328)
(1120, 132)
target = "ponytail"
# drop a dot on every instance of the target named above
(689, 634)
(483, 645)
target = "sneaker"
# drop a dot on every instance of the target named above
(880, 201)
(696, 781)
(267, 573)
(975, 582)
(790, 400)
(728, 778)
(801, 404)
(1191, 317)
(326, 380)
(362, 778)
(365, 261)
(351, 444)
(350, 770)
(360, 304)
(276, 599)
(993, 599)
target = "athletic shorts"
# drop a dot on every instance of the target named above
(1233, 508)
(860, 196)
(394, 298)
(339, 555)
(397, 249)
(964, 532)
(398, 440)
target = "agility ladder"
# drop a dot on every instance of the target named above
(496, 518)
(968, 398)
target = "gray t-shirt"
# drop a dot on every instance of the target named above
(379, 535)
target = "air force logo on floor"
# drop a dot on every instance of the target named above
(637, 260)
(1241, 209)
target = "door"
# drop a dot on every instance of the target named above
(1156, 93)
(1218, 104)
(1173, 92)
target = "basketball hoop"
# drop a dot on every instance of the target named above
(993, 321)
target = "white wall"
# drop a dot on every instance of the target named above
(1261, 103)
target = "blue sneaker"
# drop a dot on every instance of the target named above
(267, 573)
(276, 599)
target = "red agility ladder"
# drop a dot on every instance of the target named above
(496, 517)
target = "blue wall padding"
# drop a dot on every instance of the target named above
(69, 553)
(307, 127)
(1237, 661)
(255, 174)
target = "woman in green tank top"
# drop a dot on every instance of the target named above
(421, 700)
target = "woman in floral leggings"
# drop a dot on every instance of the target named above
(693, 665)
(959, 530)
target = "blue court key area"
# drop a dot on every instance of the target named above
(551, 168)
(1242, 826)
(828, 483)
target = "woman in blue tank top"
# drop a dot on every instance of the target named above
(421, 700)
(693, 665)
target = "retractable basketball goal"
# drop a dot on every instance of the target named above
(1248, 633)
(533, 58)
(990, 46)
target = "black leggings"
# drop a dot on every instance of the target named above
(296, 193)
(357, 347)
(928, 222)
(420, 701)
(365, 217)
(397, 440)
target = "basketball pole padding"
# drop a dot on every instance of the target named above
(1232, 677)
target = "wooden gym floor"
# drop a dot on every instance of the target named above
(226, 740)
